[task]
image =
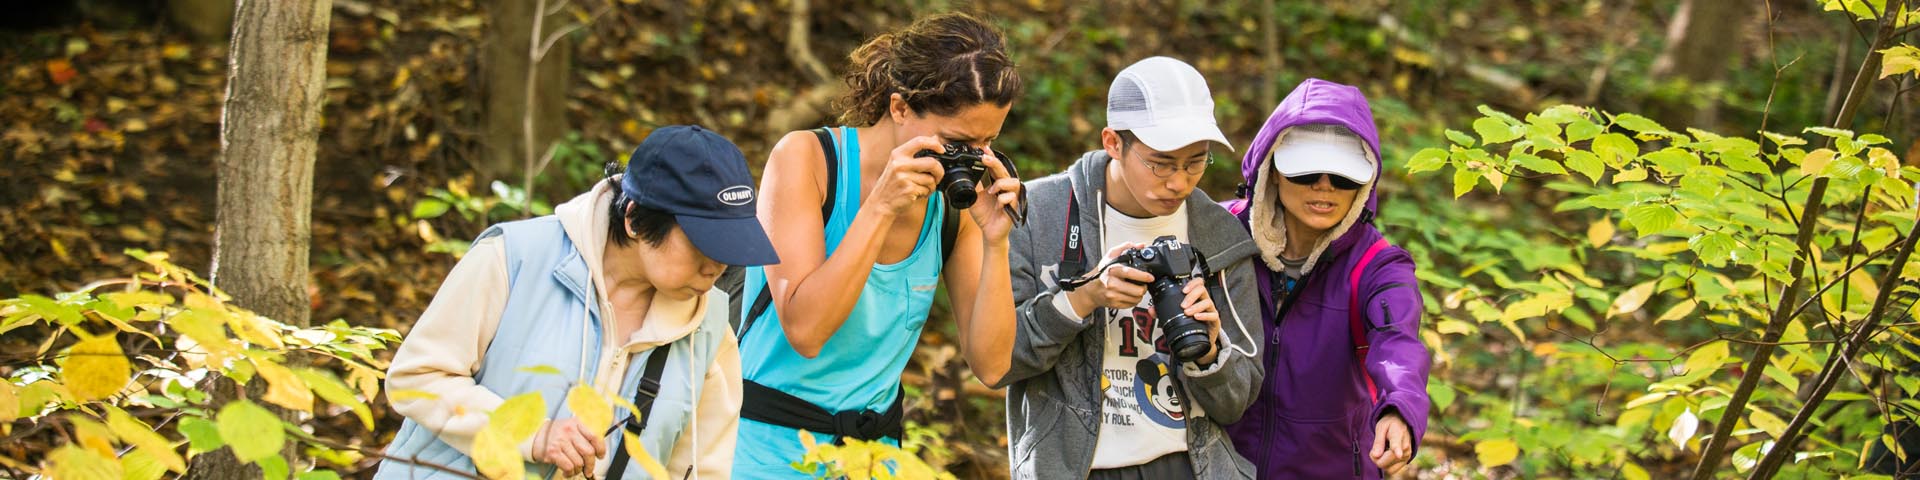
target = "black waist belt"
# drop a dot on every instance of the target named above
(765, 404)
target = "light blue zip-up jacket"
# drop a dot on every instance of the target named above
(549, 315)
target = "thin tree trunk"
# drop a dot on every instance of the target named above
(1710, 453)
(1697, 53)
(508, 72)
(268, 131)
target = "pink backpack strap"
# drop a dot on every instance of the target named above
(1356, 316)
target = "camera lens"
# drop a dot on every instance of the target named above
(960, 193)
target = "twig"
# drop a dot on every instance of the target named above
(800, 48)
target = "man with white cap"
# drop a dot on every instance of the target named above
(1097, 389)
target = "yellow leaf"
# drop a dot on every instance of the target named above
(92, 436)
(1767, 422)
(497, 455)
(1600, 232)
(1632, 471)
(1708, 357)
(1679, 311)
(9, 402)
(95, 367)
(283, 387)
(519, 417)
(142, 464)
(640, 456)
(254, 330)
(1815, 161)
(1899, 59)
(407, 395)
(1631, 300)
(328, 387)
(366, 380)
(253, 432)
(1494, 453)
(75, 463)
(134, 432)
(590, 408)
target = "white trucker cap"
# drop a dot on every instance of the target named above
(1165, 103)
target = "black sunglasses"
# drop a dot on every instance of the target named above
(1339, 182)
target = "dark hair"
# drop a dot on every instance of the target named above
(1127, 139)
(939, 65)
(651, 225)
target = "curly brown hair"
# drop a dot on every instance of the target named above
(939, 65)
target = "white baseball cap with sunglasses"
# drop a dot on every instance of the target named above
(1309, 150)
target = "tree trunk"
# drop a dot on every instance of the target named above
(1698, 54)
(268, 131)
(506, 64)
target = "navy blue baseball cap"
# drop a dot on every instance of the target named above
(702, 179)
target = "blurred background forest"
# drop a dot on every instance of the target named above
(110, 111)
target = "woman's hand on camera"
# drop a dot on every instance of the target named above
(907, 179)
(1199, 305)
(996, 196)
(1118, 286)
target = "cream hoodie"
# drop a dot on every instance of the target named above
(442, 353)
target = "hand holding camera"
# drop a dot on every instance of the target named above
(1173, 273)
(908, 178)
(967, 171)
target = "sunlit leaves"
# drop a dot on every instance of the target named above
(1631, 300)
(1652, 218)
(283, 387)
(1494, 131)
(1600, 232)
(641, 456)
(1494, 453)
(250, 430)
(329, 387)
(96, 368)
(593, 411)
(1707, 357)
(1683, 428)
(134, 432)
(1900, 59)
(1428, 159)
(75, 463)
(497, 456)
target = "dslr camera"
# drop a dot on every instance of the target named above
(963, 171)
(1172, 263)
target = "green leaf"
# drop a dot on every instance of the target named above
(1587, 164)
(1615, 149)
(1673, 161)
(1537, 164)
(273, 468)
(1651, 218)
(1582, 129)
(1783, 141)
(1460, 138)
(142, 464)
(1648, 399)
(1494, 131)
(1564, 114)
(47, 308)
(134, 432)
(1427, 159)
(430, 208)
(1830, 132)
(253, 432)
(318, 475)
(1441, 394)
(202, 435)
(333, 391)
(1714, 248)
(1632, 471)
(1638, 124)
(1464, 179)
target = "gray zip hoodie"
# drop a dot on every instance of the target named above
(1054, 403)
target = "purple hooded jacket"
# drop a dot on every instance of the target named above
(1313, 418)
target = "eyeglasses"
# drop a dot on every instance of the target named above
(1339, 182)
(1164, 170)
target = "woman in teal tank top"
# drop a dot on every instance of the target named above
(861, 244)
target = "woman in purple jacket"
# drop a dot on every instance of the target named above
(1345, 393)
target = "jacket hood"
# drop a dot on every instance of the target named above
(584, 218)
(1315, 101)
